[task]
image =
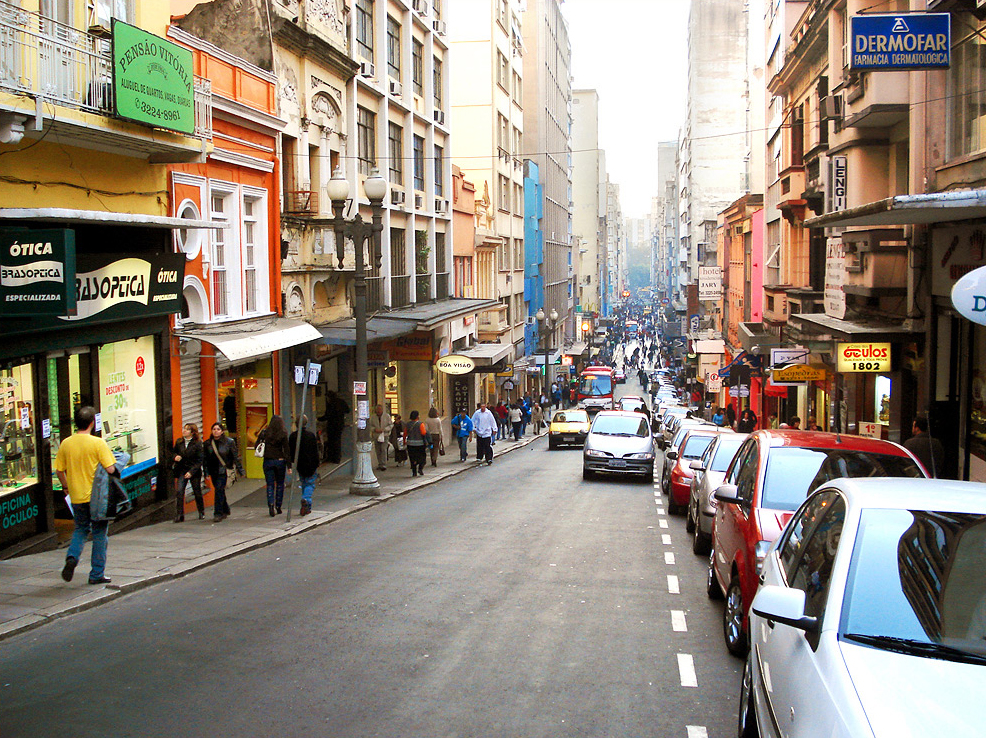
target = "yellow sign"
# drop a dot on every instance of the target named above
(508, 371)
(454, 364)
(798, 373)
(863, 357)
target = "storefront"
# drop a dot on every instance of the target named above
(112, 354)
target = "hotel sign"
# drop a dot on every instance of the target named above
(900, 42)
(863, 357)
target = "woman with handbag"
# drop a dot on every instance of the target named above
(188, 468)
(398, 440)
(222, 463)
(434, 426)
(272, 445)
(416, 435)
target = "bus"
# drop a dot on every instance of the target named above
(632, 326)
(596, 388)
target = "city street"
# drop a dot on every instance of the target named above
(515, 599)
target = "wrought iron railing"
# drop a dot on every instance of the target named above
(301, 202)
(422, 288)
(441, 286)
(400, 291)
(65, 65)
(374, 294)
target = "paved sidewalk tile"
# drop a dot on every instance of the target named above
(32, 591)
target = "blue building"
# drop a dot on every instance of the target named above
(533, 253)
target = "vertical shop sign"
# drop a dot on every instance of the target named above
(838, 195)
(835, 279)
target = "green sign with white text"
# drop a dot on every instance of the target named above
(152, 79)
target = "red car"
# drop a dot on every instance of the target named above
(768, 479)
(693, 445)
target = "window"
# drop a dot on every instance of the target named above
(439, 171)
(220, 289)
(440, 255)
(502, 71)
(127, 375)
(797, 532)
(501, 13)
(518, 139)
(395, 144)
(503, 193)
(437, 80)
(250, 233)
(393, 48)
(518, 88)
(518, 199)
(813, 570)
(519, 254)
(966, 78)
(418, 67)
(419, 163)
(19, 427)
(502, 132)
(102, 12)
(366, 139)
(398, 252)
(364, 29)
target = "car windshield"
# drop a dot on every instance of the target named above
(916, 576)
(631, 405)
(571, 416)
(794, 472)
(620, 425)
(596, 385)
(695, 445)
(725, 451)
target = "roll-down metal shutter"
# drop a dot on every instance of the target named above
(191, 391)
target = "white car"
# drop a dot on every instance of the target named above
(710, 472)
(872, 616)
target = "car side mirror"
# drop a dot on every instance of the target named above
(784, 605)
(727, 493)
(672, 455)
(697, 466)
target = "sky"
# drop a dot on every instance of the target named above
(634, 53)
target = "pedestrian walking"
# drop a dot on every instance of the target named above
(416, 435)
(398, 441)
(747, 422)
(730, 415)
(537, 417)
(275, 453)
(188, 470)
(484, 425)
(380, 426)
(220, 459)
(928, 450)
(307, 469)
(718, 417)
(75, 465)
(462, 428)
(434, 425)
(516, 420)
(335, 420)
(502, 420)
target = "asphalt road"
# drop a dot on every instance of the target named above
(512, 600)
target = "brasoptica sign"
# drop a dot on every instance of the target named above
(900, 42)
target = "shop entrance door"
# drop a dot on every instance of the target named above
(70, 383)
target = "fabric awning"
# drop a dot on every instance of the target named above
(576, 349)
(343, 332)
(937, 207)
(485, 354)
(248, 339)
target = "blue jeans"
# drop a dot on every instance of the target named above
(308, 488)
(83, 525)
(274, 470)
(463, 447)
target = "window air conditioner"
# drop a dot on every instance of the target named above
(833, 107)
(419, 202)
(396, 88)
(530, 320)
(420, 6)
(439, 116)
(397, 197)
(366, 69)
(440, 27)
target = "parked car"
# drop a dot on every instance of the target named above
(709, 472)
(872, 617)
(630, 403)
(671, 425)
(568, 428)
(768, 478)
(619, 443)
(691, 441)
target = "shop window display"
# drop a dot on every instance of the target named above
(128, 405)
(18, 455)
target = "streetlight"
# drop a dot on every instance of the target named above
(359, 232)
(546, 329)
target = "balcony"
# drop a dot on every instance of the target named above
(400, 291)
(442, 286)
(301, 202)
(374, 294)
(493, 322)
(422, 288)
(54, 63)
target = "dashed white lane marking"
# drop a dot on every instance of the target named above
(697, 731)
(673, 585)
(669, 558)
(663, 523)
(678, 621)
(666, 539)
(686, 670)
(660, 511)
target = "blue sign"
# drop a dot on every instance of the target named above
(900, 42)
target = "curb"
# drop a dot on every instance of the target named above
(112, 592)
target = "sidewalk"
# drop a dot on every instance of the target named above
(32, 591)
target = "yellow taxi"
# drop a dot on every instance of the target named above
(568, 428)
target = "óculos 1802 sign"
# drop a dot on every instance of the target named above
(864, 357)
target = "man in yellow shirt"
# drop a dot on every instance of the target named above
(75, 465)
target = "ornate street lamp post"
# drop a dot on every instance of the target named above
(360, 232)
(546, 328)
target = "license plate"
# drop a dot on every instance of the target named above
(619, 463)
(568, 439)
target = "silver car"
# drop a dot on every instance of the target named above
(871, 618)
(710, 471)
(619, 443)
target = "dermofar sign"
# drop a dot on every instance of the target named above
(900, 42)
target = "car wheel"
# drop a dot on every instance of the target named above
(732, 620)
(700, 542)
(711, 583)
(689, 520)
(673, 507)
(649, 477)
(587, 473)
(551, 445)
(747, 724)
